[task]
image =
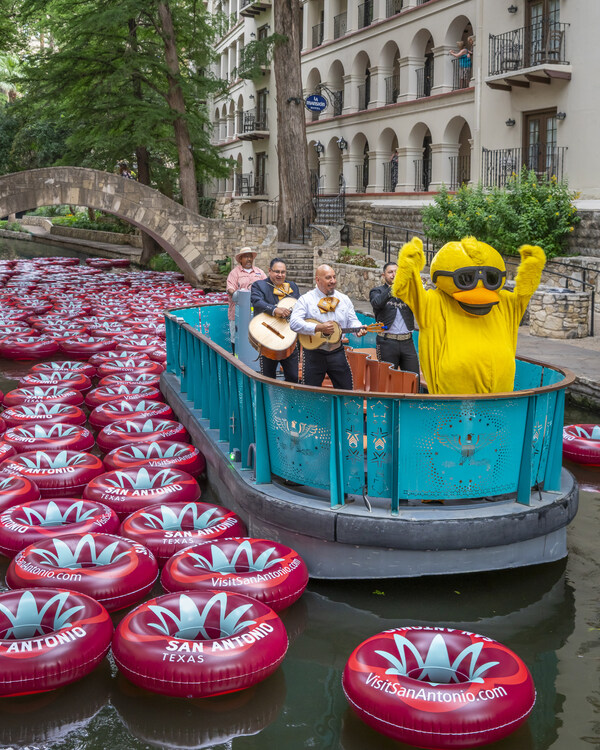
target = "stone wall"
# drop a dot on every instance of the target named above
(585, 240)
(559, 314)
(94, 235)
(401, 221)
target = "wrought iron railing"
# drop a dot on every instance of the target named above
(422, 174)
(338, 102)
(317, 34)
(498, 165)
(392, 7)
(363, 97)
(265, 213)
(424, 80)
(390, 176)
(460, 171)
(392, 88)
(461, 72)
(340, 25)
(250, 184)
(362, 178)
(251, 120)
(539, 44)
(254, 415)
(365, 14)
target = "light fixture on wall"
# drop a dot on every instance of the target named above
(512, 9)
(251, 96)
(561, 115)
(342, 143)
(250, 158)
(510, 122)
(319, 147)
(253, 35)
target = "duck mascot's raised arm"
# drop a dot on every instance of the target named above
(468, 323)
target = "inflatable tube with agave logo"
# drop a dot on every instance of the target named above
(66, 366)
(127, 378)
(15, 489)
(27, 347)
(59, 436)
(438, 687)
(267, 571)
(132, 365)
(138, 431)
(76, 380)
(167, 528)
(43, 394)
(57, 473)
(199, 643)
(130, 490)
(29, 523)
(161, 454)
(123, 391)
(49, 638)
(581, 443)
(43, 414)
(122, 410)
(85, 346)
(114, 571)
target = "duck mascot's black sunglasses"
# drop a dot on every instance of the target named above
(468, 277)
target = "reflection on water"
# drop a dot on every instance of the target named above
(548, 614)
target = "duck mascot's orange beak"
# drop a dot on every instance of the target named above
(478, 301)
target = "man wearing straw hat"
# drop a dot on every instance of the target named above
(241, 277)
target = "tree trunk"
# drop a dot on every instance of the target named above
(187, 171)
(294, 178)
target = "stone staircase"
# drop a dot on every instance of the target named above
(299, 261)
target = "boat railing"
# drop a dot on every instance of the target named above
(390, 448)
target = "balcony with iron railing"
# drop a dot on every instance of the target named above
(362, 178)
(253, 8)
(390, 176)
(392, 88)
(249, 184)
(340, 25)
(499, 165)
(541, 43)
(460, 171)
(424, 80)
(422, 174)
(317, 34)
(392, 7)
(365, 14)
(252, 124)
(363, 97)
(461, 72)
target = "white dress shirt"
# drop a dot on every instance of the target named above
(307, 307)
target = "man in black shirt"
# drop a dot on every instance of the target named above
(264, 297)
(395, 345)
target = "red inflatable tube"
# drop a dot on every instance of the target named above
(581, 443)
(267, 571)
(40, 437)
(126, 378)
(15, 489)
(43, 394)
(50, 638)
(132, 489)
(114, 571)
(106, 357)
(2, 422)
(138, 431)
(6, 449)
(83, 346)
(176, 644)
(27, 347)
(131, 365)
(57, 473)
(75, 380)
(36, 521)
(119, 411)
(66, 366)
(43, 414)
(158, 355)
(161, 454)
(124, 391)
(166, 528)
(437, 687)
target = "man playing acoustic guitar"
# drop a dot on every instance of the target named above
(265, 297)
(318, 311)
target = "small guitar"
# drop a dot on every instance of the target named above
(314, 340)
(272, 337)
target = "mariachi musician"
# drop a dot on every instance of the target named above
(264, 297)
(327, 306)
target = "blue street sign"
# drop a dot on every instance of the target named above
(315, 103)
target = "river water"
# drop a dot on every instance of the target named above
(549, 615)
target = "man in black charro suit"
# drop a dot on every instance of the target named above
(395, 345)
(264, 298)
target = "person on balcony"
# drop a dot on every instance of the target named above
(395, 344)
(241, 277)
(317, 311)
(464, 63)
(265, 297)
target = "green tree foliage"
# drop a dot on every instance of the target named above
(528, 210)
(104, 75)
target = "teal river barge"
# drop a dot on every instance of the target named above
(366, 484)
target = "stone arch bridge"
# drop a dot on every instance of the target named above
(193, 241)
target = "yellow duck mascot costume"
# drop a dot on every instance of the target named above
(468, 324)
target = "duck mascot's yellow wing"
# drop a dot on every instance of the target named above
(468, 323)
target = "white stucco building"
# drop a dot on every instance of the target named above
(528, 96)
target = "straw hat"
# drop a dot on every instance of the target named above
(246, 251)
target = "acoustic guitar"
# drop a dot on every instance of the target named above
(314, 340)
(272, 337)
